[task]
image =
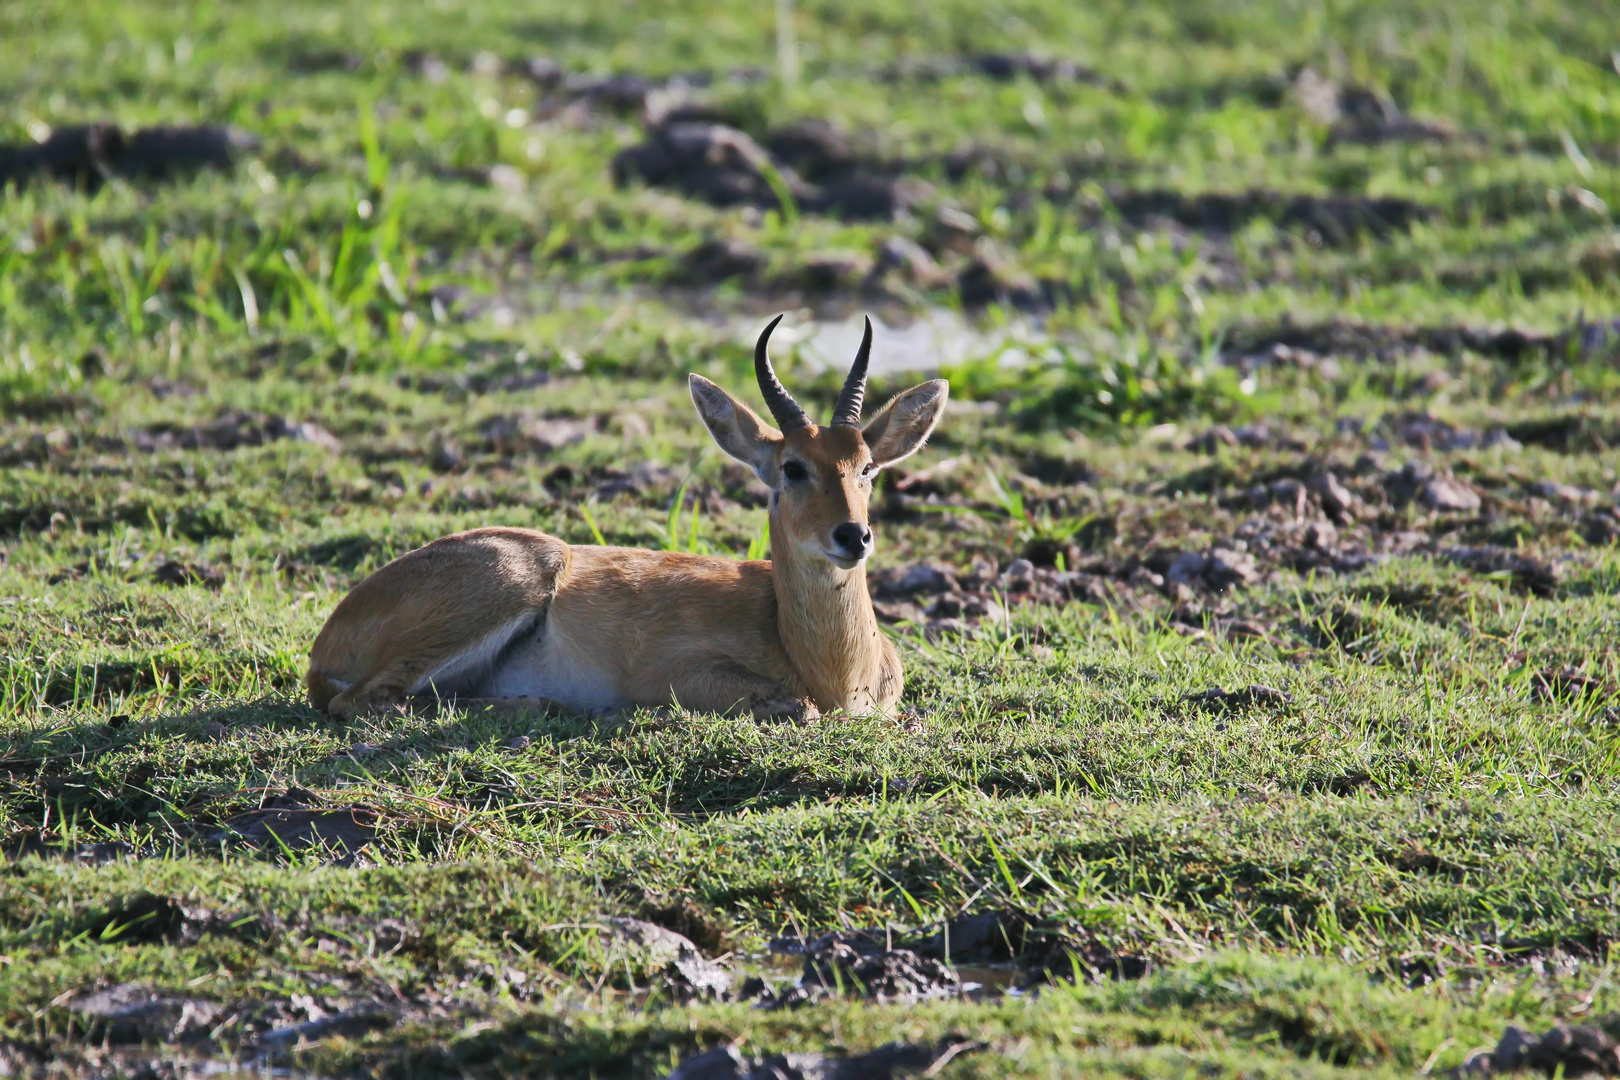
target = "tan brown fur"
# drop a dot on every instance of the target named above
(519, 612)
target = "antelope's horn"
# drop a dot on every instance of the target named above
(847, 413)
(789, 416)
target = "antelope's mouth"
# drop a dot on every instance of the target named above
(844, 562)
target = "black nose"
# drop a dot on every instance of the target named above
(853, 539)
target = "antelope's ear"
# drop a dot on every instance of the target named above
(735, 427)
(902, 426)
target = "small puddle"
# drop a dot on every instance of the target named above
(936, 338)
(981, 982)
(823, 337)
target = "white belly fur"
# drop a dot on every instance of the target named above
(553, 667)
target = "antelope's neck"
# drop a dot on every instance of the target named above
(825, 620)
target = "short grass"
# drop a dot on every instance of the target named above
(1421, 846)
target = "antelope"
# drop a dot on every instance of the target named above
(507, 615)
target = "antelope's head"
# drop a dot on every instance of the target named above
(820, 477)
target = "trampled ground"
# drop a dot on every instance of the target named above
(1258, 596)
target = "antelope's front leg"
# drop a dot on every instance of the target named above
(732, 689)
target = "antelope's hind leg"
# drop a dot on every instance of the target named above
(436, 620)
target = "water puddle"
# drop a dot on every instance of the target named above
(933, 339)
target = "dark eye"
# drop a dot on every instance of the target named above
(868, 469)
(795, 471)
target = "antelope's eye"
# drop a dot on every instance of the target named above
(868, 469)
(795, 471)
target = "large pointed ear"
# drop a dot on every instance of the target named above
(735, 427)
(902, 426)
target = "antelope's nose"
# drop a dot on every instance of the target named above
(852, 539)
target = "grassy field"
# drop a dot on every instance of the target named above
(1284, 353)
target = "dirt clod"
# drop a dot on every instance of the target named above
(1420, 481)
(1568, 1050)
(686, 971)
(1258, 696)
(1337, 501)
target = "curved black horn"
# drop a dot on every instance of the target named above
(847, 413)
(789, 417)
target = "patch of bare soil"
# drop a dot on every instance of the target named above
(944, 601)
(1317, 517)
(296, 821)
(1384, 343)
(89, 155)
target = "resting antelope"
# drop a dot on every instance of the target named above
(502, 614)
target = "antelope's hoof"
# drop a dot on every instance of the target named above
(785, 708)
(349, 705)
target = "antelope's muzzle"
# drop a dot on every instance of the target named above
(851, 542)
